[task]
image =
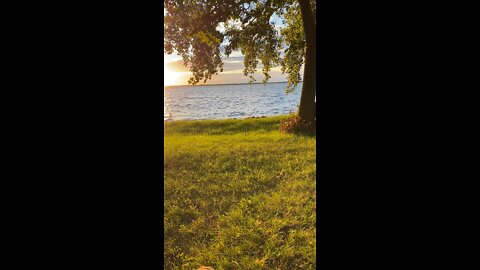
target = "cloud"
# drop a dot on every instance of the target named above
(230, 64)
(232, 72)
(232, 78)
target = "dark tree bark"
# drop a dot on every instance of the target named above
(307, 100)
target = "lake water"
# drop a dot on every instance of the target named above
(229, 101)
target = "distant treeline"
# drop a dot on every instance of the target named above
(224, 84)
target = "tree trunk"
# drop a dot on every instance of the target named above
(307, 100)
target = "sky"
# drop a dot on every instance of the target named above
(177, 74)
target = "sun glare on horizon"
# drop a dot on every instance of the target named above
(169, 77)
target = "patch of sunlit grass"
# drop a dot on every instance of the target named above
(238, 195)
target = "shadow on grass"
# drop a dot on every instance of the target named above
(224, 127)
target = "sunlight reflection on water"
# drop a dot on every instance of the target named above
(228, 101)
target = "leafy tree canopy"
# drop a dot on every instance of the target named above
(204, 31)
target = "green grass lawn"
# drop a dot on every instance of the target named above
(238, 195)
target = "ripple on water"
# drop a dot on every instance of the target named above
(228, 101)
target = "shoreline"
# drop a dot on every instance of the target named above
(222, 119)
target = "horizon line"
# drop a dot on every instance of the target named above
(222, 84)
